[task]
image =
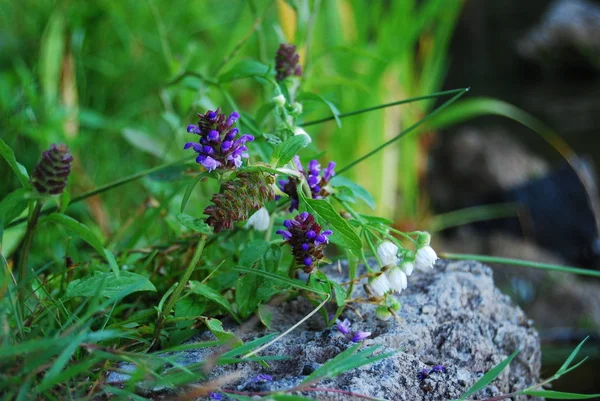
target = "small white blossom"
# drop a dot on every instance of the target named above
(407, 267)
(425, 257)
(380, 285)
(279, 100)
(387, 252)
(260, 220)
(397, 279)
(300, 131)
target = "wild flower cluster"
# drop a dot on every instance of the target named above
(316, 179)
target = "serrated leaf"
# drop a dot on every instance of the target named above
(107, 285)
(21, 172)
(86, 234)
(283, 153)
(194, 224)
(559, 395)
(325, 214)
(356, 190)
(489, 376)
(244, 69)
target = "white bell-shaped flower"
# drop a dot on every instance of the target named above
(397, 279)
(380, 285)
(425, 257)
(387, 252)
(260, 220)
(407, 267)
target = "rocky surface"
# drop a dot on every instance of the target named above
(452, 316)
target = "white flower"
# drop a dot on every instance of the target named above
(300, 131)
(425, 257)
(380, 285)
(397, 279)
(260, 220)
(279, 100)
(387, 252)
(407, 267)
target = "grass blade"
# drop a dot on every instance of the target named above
(489, 376)
(568, 361)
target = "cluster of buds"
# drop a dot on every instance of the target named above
(52, 171)
(237, 199)
(220, 145)
(287, 62)
(307, 240)
(317, 181)
(395, 272)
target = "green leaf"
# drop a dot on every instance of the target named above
(340, 293)
(194, 224)
(12, 206)
(189, 189)
(245, 294)
(65, 199)
(314, 97)
(7, 153)
(276, 277)
(568, 361)
(107, 285)
(356, 190)
(144, 142)
(489, 376)
(325, 214)
(51, 56)
(253, 251)
(212, 295)
(244, 69)
(559, 395)
(86, 234)
(216, 327)
(288, 149)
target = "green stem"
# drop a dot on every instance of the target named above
(519, 262)
(178, 290)
(383, 106)
(25, 250)
(406, 131)
(105, 188)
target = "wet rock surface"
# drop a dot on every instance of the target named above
(452, 316)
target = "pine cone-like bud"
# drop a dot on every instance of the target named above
(239, 198)
(52, 171)
(306, 239)
(287, 62)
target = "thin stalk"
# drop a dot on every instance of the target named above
(26, 248)
(177, 292)
(519, 262)
(105, 188)
(383, 106)
(406, 131)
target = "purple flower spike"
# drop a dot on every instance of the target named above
(316, 178)
(303, 226)
(220, 141)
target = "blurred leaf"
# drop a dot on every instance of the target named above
(317, 98)
(489, 376)
(51, 55)
(12, 206)
(107, 285)
(188, 307)
(356, 190)
(144, 142)
(212, 295)
(326, 215)
(244, 69)
(558, 395)
(86, 234)
(194, 224)
(7, 153)
(288, 149)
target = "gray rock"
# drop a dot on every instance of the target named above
(452, 316)
(568, 33)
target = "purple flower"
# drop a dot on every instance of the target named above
(306, 239)
(438, 369)
(218, 146)
(215, 396)
(287, 62)
(316, 178)
(52, 171)
(354, 336)
(422, 375)
(262, 378)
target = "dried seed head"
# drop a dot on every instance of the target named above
(52, 171)
(287, 62)
(238, 199)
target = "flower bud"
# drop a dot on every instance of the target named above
(279, 100)
(423, 239)
(297, 108)
(52, 171)
(287, 62)
(407, 266)
(393, 303)
(383, 313)
(300, 131)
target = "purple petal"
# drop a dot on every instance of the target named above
(193, 129)
(213, 135)
(288, 224)
(305, 247)
(298, 164)
(311, 234)
(314, 167)
(327, 232)
(360, 335)
(225, 146)
(329, 171)
(208, 150)
(211, 115)
(308, 261)
(303, 216)
(316, 189)
(312, 180)
(210, 164)
(285, 234)
(343, 326)
(321, 239)
(200, 159)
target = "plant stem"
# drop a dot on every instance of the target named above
(519, 262)
(382, 106)
(405, 132)
(25, 250)
(177, 293)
